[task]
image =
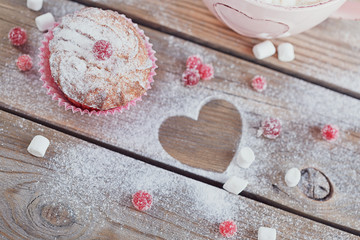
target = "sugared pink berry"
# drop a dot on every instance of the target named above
(228, 228)
(102, 50)
(330, 132)
(194, 62)
(24, 63)
(270, 128)
(191, 77)
(17, 36)
(142, 200)
(259, 83)
(206, 72)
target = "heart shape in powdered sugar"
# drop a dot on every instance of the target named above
(209, 142)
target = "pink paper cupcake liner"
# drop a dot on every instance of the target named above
(54, 91)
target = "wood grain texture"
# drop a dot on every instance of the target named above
(27, 212)
(327, 54)
(302, 107)
(315, 185)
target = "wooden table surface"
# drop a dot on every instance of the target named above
(180, 143)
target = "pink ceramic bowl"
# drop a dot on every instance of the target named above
(254, 18)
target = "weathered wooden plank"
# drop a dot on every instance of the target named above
(81, 191)
(302, 107)
(327, 54)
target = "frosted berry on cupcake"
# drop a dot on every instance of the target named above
(99, 60)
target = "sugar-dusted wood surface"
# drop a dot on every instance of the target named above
(327, 54)
(67, 195)
(302, 107)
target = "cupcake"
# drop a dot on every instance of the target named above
(97, 61)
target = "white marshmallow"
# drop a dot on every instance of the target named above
(245, 157)
(38, 146)
(292, 177)
(45, 21)
(35, 5)
(265, 233)
(286, 52)
(264, 49)
(235, 185)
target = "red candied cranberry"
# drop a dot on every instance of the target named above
(206, 71)
(194, 62)
(17, 36)
(24, 63)
(102, 50)
(191, 77)
(330, 132)
(142, 200)
(228, 228)
(270, 128)
(259, 83)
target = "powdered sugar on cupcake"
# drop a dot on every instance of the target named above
(82, 76)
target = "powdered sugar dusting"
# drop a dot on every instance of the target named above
(312, 108)
(302, 107)
(98, 184)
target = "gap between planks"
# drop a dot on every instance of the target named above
(184, 173)
(225, 50)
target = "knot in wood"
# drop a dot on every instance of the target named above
(57, 215)
(315, 184)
